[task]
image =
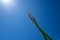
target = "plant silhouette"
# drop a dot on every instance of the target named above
(45, 36)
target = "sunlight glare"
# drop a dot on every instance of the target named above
(6, 2)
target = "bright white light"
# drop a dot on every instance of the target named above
(6, 2)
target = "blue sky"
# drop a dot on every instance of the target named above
(16, 25)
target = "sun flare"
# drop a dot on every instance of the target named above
(6, 2)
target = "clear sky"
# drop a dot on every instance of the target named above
(16, 25)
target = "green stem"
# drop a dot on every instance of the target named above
(45, 36)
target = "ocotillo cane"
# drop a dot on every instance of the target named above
(45, 36)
